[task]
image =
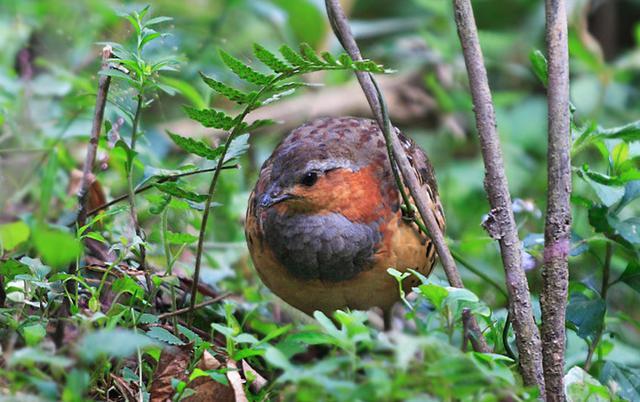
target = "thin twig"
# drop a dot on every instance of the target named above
(149, 186)
(555, 274)
(422, 200)
(197, 306)
(503, 226)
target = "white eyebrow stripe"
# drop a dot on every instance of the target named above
(329, 164)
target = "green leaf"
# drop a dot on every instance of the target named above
(586, 315)
(345, 60)
(56, 247)
(238, 147)
(116, 343)
(195, 147)
(10, 268)
(276, 358)
(625, 378)
(631, 276)
(310, 54)
(293, 57)
(539, 64)
(270, 60)
(163, 335)
(211, 118)
(607, 194)
(126, 284)
(33, 334)
(580, 386)
(328, 57)
(157, 20)
(628, 132)
(27, 357)
(175, 190)
(180, 238)
(243, 71)
(13, 234)
(247, 128)
(434, 293)
(225, 90)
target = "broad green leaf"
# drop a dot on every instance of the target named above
(211, 118)
(33, 334)
(270, 60)
(185, 89)
(180, 238)
(243, 71)
(628, 132)
(174, 190)
(13, 234)
(276, 358)
(10, 268)
(163, 335)
(126, 284)
(117, 343)
(586, 315)
(631, 275)
(579, 386)
(225, 90)
(625, 379)
(434, 293)
(56, 247)
(195, 147)
(28, 357)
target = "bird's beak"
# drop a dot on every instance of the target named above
(273, 197)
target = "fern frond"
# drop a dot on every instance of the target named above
(310, 54)
(293, 57)
(225, 90)
(329, 59)
(345, 60)
(243, 71)
(211, 118)
(270, 60)
(195, 147)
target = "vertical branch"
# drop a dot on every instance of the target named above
(87, 170)
(421, 199)
(502, 222)
(555, 274)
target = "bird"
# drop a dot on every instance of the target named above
(325, 221)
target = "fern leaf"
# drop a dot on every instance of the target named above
(345, 60)
(225, 90)
(195, 147)
(309, 54)
(211, 118)
(247, 128)
(270, 60)
(329, 59)
(243, 71)
(293, 57)
(174, 190)
(368, 65)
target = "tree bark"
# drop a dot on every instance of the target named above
(502, 222)
(555, 274)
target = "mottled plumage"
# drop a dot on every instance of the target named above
(324, 220)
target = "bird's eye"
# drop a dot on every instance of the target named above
(309, 179)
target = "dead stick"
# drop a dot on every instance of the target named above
(555, 274)
(424, 204)
(87, 170)
(503, 226)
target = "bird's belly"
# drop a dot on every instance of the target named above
(404, 249)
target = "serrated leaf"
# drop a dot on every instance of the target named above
(238, 146)
(310, 54)
(195, 147)
(368, 66)
(270, 60)
(225, 90)
(180, 238)
(293, 57)
(243, 71)
(163, 335)
(211, 118)
(628, 132)
(247, 128)
(173, 189)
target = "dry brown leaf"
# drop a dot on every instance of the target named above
(173, 363)
(236, 381)
(259, 381)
